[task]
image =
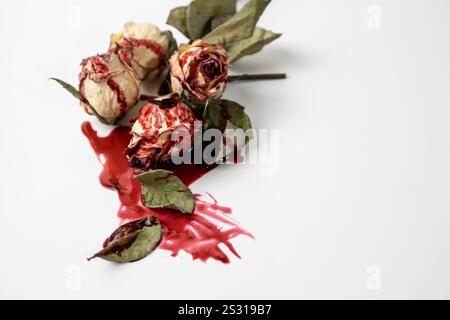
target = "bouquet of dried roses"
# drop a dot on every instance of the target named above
(193, 79)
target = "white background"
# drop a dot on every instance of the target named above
(360, 206)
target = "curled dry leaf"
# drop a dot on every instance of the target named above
(177, 18)
(71, 89)
(162, 189)
(200, 12)
(252, 45)
(195, 19)
(221, 19)
(240, 26)
(220, 112)
(132, 241)
(216, 22)
(230, 118)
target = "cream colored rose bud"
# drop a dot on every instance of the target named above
(110, 87)
(142, 46)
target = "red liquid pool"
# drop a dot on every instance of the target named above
(199, 234)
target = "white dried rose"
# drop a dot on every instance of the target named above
(143, 46)
(110, 87)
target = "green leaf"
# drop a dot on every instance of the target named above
(254, 44)
(178, 19)
(218, 20)
(240, 26)
(70, 88)
(132, 241)
(220, 112)
(228, 116)
(162, 189)
(200, 13)
(78, 96)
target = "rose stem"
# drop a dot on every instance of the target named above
(144, 97)
(241, 77)
(267, 76)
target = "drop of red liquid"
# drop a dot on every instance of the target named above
(199, 234)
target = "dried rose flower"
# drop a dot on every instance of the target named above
(151, 142)
(199, 71)
(109, 86)
(144, 47)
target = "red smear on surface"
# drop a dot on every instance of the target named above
(199, 234)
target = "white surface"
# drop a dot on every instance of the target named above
(364, 175)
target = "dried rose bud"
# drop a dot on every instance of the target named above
(151, 141)
(144, 47)
(109, 86)
(200, 71)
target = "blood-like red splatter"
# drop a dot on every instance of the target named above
(199, 234)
